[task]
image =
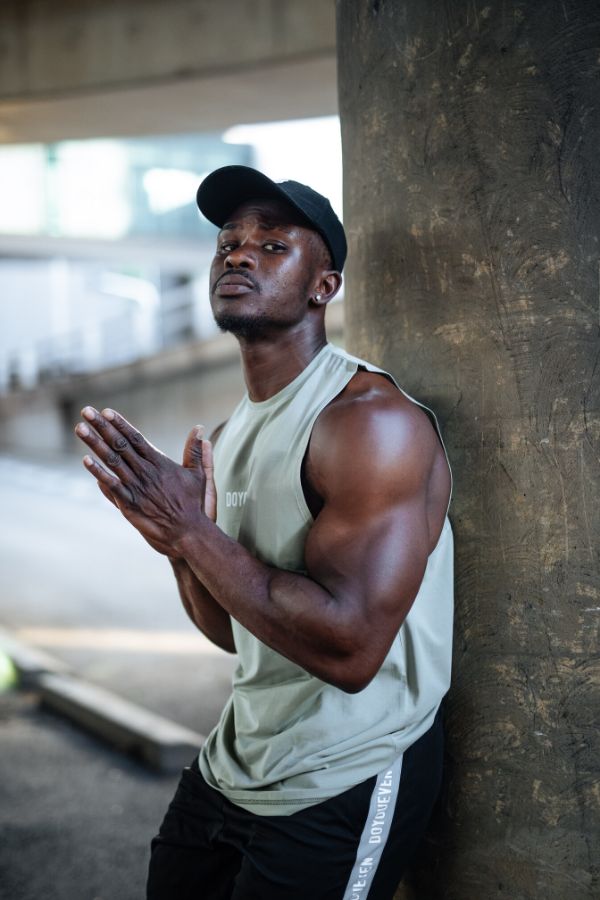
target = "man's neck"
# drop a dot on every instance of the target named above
(270, 364)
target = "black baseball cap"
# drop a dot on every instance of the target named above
(228, 187)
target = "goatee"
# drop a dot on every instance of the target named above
(250, 328)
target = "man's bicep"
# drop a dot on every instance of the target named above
(372, 563)
(369, 544)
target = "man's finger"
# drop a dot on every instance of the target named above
(192, 452)
(137, 440)
(210, 490)
(207, 459)
(107, 493)
(115, 439)
(108, 483)
(102, 450)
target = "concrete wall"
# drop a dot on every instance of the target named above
(166, 409)
(164, 396)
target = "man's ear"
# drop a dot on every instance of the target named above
(327, 287)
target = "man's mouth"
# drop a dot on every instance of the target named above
(232, 285)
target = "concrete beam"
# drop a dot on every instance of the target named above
(79, 45)
(184, 252)
(74, 70)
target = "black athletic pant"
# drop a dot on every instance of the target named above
(352, 847)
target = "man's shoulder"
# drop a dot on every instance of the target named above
(371, 432)
(371, 405)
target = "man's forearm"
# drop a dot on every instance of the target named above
(206, 614)
(289, 612)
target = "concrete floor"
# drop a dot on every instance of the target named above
(76, 818)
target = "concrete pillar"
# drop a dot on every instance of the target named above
(472, 197)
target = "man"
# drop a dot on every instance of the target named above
(328, 569)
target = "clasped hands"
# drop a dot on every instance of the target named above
(160, 498)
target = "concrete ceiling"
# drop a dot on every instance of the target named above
(106, 68)
(268, 92)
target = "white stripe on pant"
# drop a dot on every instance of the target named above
(375, 833)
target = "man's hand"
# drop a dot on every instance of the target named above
(160, 498)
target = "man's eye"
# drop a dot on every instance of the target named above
(273, 246)
(227, 247)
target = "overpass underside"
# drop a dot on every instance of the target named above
(88, 69)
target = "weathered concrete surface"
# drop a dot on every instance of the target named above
(472, 200)
(73, 45)
(104, 67)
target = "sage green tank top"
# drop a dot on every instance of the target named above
(286, 739)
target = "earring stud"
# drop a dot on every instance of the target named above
(317, 296)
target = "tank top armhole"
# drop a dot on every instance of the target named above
(303, 447)
(362, 366)
(428, 412)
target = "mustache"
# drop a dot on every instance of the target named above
(243, 273)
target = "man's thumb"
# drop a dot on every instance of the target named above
(192, 451)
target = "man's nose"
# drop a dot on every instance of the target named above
(240, 258)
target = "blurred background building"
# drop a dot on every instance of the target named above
(110, 116)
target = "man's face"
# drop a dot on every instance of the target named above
(263, 270)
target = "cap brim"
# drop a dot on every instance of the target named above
(228, 187)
